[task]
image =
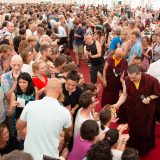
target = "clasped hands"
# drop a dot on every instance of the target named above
(146, 100)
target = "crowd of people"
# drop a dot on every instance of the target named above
(48, 111)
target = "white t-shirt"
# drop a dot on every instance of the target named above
(29, 33)
(45, 120)
(27, 68)
(78, 122)
(154, 69)
(61, 32)
(116, 154)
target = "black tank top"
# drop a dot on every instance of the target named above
(93, 49)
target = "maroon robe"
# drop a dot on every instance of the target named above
(140, 116)
(110, 93)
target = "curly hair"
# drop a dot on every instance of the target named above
(100, 151)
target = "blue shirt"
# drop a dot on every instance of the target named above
(78, 40)
(115, 41)
(136, 49)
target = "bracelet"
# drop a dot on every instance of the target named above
(150, 98)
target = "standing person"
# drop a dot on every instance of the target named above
(32, 30)
(146, 53)
(156, 49)
(116, 41)
(71, 91)
(154, 69)
(140, 93)
(2, 107)
(43, 132)
(136, 49)
(10, 30)
(61, 33)
(113, 69)
(93, 51)
(27, 56)
(99, 36)
(78, 41)
(125, 41)
(8, 84)
(24, 93)
(5, 57)
(39, 79)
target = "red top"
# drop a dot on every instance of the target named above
(38, 83)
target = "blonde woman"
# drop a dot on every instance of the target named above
(126, 42)
(40, 79)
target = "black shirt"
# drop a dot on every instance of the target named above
(10, 146)
(93, 49)
(74, 97)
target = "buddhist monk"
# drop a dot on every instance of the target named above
(140, 92)
(113, 69)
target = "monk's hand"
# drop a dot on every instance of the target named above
(104, 83)
(146, 100)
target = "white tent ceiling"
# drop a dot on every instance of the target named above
(134, 3)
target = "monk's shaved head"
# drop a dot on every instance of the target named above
(133, 68)
(119, 53)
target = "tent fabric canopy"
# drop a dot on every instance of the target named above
(134, 3)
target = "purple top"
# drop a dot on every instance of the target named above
(80, 148)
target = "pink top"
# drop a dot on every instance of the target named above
(80, 148)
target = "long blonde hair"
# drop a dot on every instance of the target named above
(126, 31)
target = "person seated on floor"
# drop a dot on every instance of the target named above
(63, 145)
(88, 102)
(100, 151)
(130, 154)
(117, 142)
(7, 143)
(107, 116)
(17, 155)
(83, 141)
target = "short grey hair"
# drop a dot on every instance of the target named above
(118, 31)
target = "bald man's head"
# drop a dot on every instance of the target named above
(54, 83)
(119, 53)
(54, 88)
(16, 63)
